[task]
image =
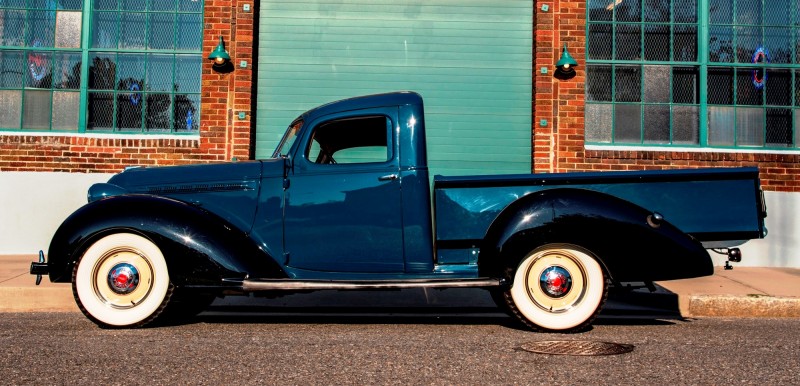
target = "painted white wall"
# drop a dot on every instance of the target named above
(33, 205)
(781, 247)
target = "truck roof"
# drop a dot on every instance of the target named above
(398, 98)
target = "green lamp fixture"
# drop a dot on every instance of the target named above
(220, 56)
(567, 63)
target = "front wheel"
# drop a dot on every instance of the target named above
(559, 288)
(122, 281)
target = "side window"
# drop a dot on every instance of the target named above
(351, 141)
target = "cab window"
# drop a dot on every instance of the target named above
(351, 141)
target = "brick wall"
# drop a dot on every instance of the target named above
(559, 146)
(222, 135)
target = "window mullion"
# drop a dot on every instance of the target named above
(86, 25)
(703, 58)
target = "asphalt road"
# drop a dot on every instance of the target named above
(434, 346)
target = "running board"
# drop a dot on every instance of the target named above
(306, 285)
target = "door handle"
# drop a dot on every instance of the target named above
(388, 177)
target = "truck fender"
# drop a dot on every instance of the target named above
(630, 242)
(199, 247)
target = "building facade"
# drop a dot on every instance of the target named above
(93, 86)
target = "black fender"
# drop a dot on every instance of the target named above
(631, 243)
(200, 247)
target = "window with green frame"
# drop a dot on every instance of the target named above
(105, 66)
(718, 73)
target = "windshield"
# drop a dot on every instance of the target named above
(288, 139)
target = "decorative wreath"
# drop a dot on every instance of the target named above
(135, 97)
(760, 75)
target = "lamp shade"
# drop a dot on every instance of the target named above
(566, 60)
(219, 55)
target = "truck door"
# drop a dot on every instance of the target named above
(343, 204)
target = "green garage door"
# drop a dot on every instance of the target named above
(470, 60)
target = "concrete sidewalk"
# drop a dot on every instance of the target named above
(742, 292)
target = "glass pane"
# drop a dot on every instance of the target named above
(779, 42)
(161, 34)
(720, 86)
(656, 124)
(656, 84)
(12, 69)
(130, 72)
(720, 44)
(685, 44)
(685, 11)
(39, 69)
(42, 4)
(68, 30)
(721, 11)
(598, 122)
(797, 87)
(13, 3)
(159, 73)
(133, 5)
(599, 10)
(598, 83)
(628, 10)
(66, 109)
(628, 84)
(779, 12)
(748, 40)
(129, 111)
(187, 110)
(11, 114)
(192, 6)
(188, 69)
(627, 123)
(36, 110)
(656, 42)
(629, 42)
(685, 125)
(779, 87)
(105, 4)
(101, 111)
(685, 85)
(41, 28)
(13, 23)
(159, 109)
(779, 127)
(105, 31)
(750, 126)
(132, 30)
(748, 90)
(190, 32)
(102, 71)
(748, 12)
(73, 5)
(657, 11)
(67, 70)
(600, 41)
(721, 124)
(162, 5)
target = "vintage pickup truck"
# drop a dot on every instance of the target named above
(345, 203)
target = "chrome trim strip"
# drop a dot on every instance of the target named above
(295, 285)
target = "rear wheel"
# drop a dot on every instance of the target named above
(122, 281)
(557, 287)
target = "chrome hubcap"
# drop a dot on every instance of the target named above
(555, 281)
(123, 278)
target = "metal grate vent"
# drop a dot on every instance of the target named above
(575, 347)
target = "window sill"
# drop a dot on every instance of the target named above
(22, 133)
(687, 149)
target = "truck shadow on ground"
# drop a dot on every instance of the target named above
(441, 307)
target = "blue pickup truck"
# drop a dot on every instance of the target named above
(346, 202)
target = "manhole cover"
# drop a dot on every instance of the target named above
(576, 347)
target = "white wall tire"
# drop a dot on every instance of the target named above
(543, 298)
(122, 281)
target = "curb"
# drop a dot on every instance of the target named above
(742, 306)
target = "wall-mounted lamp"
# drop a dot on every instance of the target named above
(566, 65)
(220, 56)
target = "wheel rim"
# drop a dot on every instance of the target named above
(122, 278)
(556, 281)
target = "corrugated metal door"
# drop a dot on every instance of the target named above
(470, 60)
